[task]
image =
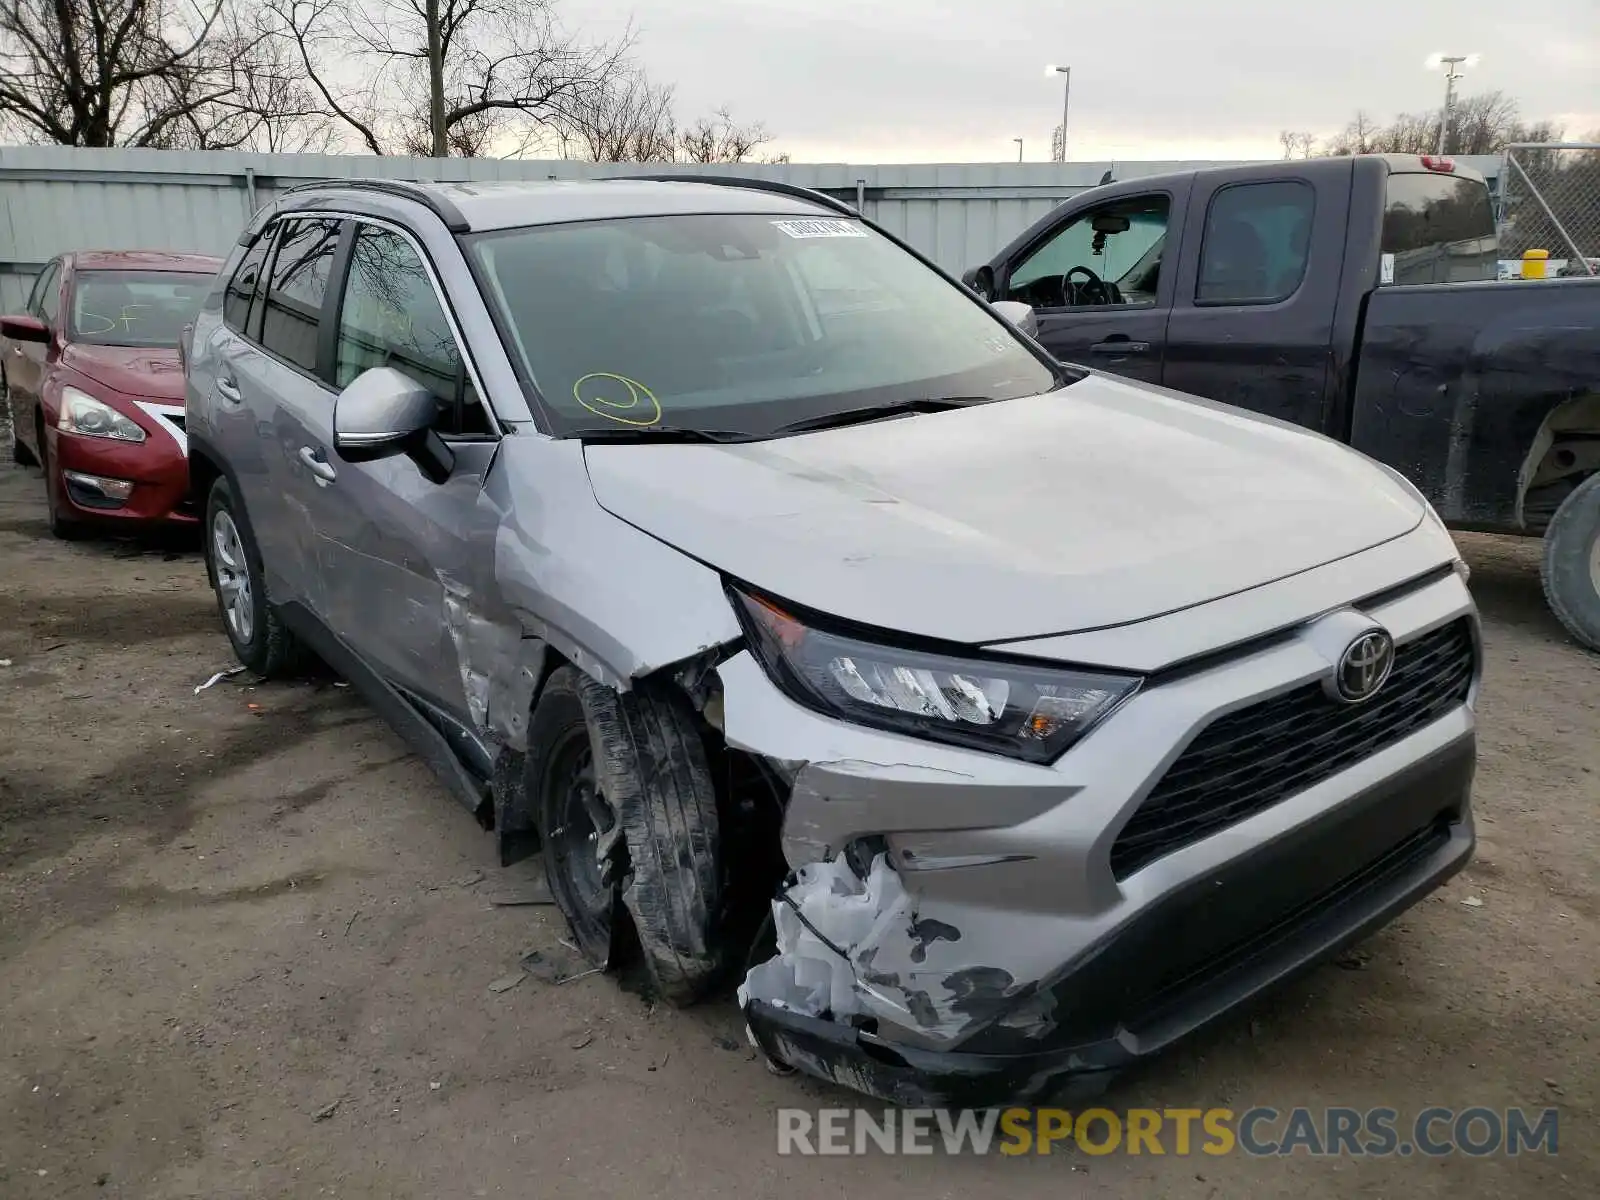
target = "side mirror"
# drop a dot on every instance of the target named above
(24, 329)
(384, 412)
(980, 280)
(1018, 314)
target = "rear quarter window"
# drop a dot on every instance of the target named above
(1437, 229)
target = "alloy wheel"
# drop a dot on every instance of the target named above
(234, 588)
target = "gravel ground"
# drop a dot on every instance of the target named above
(248, 947)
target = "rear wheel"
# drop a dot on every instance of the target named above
(628, 819)
(260, 639)
(1571, 571)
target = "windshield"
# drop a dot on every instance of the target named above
(739, 322)
(135, 308)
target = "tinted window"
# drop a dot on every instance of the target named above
(1256, 241)
(242, 287)
(299, 284)
(1439, 229)
(726, 322)
(392, 317)
(1117, 244)
(134, 308)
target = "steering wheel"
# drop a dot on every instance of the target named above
(1093, 290)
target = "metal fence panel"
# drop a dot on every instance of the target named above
(54, 198)
(1550, 200)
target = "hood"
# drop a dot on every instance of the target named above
(1100, 504)
(149, 372)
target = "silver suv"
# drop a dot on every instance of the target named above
(710, 538)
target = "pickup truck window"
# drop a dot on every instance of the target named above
(1440, 229)
(1256, 241)
(1110, 255)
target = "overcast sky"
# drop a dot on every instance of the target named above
(957, 80)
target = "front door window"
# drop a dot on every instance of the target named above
(1109, 255)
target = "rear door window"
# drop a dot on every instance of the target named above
(242, 287)
(1256, 242)
(297, 289)
(1437, 228)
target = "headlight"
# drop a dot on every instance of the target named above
(82, 413)
(1023, 711)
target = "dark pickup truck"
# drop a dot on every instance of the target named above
(1352, 296)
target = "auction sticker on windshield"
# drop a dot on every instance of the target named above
(820, 228)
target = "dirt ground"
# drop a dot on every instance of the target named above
(247, 947)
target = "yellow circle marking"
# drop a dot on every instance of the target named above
(639, 397)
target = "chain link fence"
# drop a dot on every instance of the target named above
(1550, 200)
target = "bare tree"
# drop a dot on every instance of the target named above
(121, 72)
(719, 139)
(630, 120)
(1481, 124)
(1296, 144)
(265, 104)
(467, 73)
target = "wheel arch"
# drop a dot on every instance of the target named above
(1565, 451)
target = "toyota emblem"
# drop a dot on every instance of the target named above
(1364, 666)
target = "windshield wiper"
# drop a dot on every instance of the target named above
(662, 433)
(875, 412)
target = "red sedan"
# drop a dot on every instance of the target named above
(94, 386)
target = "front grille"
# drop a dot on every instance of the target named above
(1248, 760)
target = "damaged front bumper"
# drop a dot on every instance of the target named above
(1181, 964)
(958, 936)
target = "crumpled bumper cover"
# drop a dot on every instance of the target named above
(1182, 963)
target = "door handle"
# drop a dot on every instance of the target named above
(17, 350)
(229, 390)
(317, 465)
(1119, 346)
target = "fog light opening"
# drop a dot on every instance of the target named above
(100, 488)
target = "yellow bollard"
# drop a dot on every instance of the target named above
(1533, 262)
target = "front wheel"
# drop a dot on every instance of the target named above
(260, 639)
(61, 525)
(628, 819)
(20, 454)
(1571, 569)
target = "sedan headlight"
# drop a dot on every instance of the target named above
(1016, 709)
(82, 413)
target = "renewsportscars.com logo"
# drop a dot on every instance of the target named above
(1259, 1132)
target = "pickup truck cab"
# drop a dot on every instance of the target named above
(1356, 297)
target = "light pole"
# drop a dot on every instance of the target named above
(1066, 100)
(1449, 62)
(1018, 141)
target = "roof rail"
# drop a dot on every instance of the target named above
(405, 189)
(759, 185)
